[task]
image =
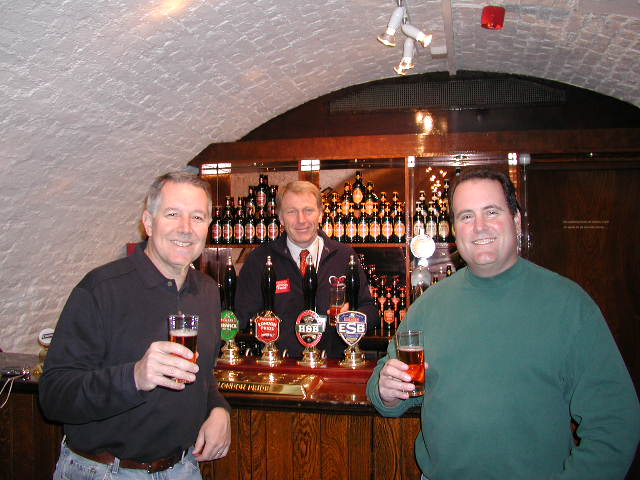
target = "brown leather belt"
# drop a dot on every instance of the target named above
(152, 467)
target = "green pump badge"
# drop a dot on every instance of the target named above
(229, 325)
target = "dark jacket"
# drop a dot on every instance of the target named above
(289, 301)
(109, 321)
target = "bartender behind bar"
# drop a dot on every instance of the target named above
(299, 206)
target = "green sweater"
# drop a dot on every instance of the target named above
(511, 360)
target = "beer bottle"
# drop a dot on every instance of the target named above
(449, 270)
(346, 200)
(358, 191)
(382, 203)
(327, 222)
(402, 305)
(238, 222)
(422, 198)
(339, 227)
(395, 201)
(431, 225)
(216, 227)
(363, 228)
(386, 226)
(229, 285)
(250, 203)
(444, 228)
(351, 227)
(310, 284)
(375, 228)
(273, 224)
(334, 205)
(261, 227)
(389, 314)
(399, 227)
(249, 229)
(227, 222)
(352, 282)
(418, 220)
(271, 197)
(370, 199)
(268, 285)
(261, 191)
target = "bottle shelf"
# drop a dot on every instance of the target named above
(355, 245)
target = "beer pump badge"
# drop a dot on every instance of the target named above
(309, 328)
(351, 326)
(229, 325)
(267, 328)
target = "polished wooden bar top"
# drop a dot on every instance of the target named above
(341, 389)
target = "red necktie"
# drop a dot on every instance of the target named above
(303, 261)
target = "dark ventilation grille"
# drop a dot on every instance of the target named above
(452, 94)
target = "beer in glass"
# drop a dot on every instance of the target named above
(336, 301)
(183, 329)
(410, 350)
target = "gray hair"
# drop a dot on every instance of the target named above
(153, 196)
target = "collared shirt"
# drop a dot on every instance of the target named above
(107, 325)
(315, 251)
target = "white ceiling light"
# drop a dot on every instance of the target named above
(417, 34)
(388, 38)
(408, 52)
(400, 19)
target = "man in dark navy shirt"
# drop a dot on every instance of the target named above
(110, 375)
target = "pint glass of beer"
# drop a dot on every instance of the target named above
(183, 329)
(410, 348)
(336, 301)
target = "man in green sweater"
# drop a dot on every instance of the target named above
(515, 352)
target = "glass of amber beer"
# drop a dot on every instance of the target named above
(336, 301)
(410, 350)
(183, 329)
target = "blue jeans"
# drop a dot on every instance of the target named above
(74, 467)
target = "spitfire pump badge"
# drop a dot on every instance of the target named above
(229, 326)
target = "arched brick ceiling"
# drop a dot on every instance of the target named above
(99, 96)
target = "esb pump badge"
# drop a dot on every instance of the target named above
(309, 328)
(351, 326)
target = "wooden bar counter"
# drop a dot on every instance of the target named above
(332, 433)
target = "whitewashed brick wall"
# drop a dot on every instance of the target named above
(97, 97)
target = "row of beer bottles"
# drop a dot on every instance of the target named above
(366, 228)
(227, 228)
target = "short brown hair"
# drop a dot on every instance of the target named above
(505, 182)
(298, 187)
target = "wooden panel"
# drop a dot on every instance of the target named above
(279, 446)
(335, 446)
(584, 225)
(22, 433)
(361, 452)
(410, 429)
(258, 445)
(6, 443)
(307, 452)
(387, 439)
